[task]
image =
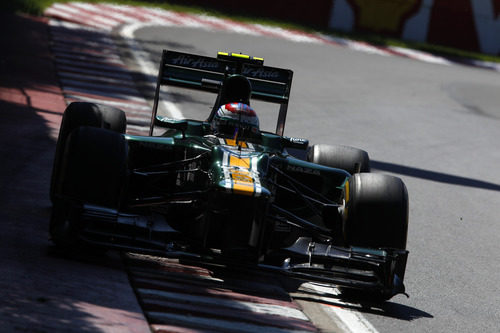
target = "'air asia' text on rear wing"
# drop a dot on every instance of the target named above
(270, 84)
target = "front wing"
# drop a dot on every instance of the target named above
(377, 271)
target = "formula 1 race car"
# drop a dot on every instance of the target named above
(223, 191)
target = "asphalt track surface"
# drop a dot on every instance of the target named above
(435, 126)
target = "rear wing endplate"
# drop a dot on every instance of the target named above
(270, 84)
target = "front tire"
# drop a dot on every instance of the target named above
(79, 114)
(93, 170)
(376, 211)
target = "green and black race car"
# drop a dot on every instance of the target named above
(223, 191)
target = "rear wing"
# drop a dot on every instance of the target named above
(270, 84)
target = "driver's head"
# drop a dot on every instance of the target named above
(237, 121)
(236, 88)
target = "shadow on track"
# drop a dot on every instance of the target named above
(389, 309)
(42, 291)
(433, 175)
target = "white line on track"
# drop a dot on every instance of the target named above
(146, 65)
(367, 48)
(346, 318)
(420, 55)
(285, 34)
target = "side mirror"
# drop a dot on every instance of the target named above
(164, 122)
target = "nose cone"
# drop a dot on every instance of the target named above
(239, 172)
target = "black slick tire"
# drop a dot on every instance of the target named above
(376, 211)
(83, 114)
(90, 167)
(347, 158)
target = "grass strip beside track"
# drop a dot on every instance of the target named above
(36, 7)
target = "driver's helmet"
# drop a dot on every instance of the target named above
(236, 120)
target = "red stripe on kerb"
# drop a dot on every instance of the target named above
(253, 28)
(132, 12)
(167, 17)
(198, 19)
(97, 13)
(62, 14)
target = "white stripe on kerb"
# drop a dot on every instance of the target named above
(422, 56)
(213, 324)
(268, 309)
(140, 11)
(119, 16)
(57, 12)
(96, 11)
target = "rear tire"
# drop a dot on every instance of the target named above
(376, 211)
(347, 158)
